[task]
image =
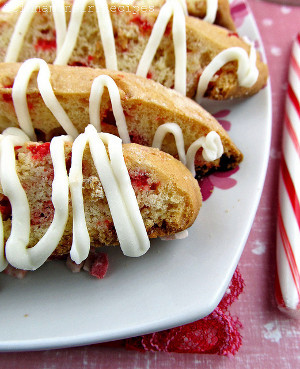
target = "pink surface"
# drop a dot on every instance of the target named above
(270, 340)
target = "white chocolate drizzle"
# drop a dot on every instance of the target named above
(211, 145)
(66, 39)
(171, 7)
(95, 102)
(247, 71)
(106, 33)
(45, 88)
(212, 150)
(116, 183)
(211, 11)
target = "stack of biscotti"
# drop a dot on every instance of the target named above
(147, 105)
(168, 197)
(132, 30)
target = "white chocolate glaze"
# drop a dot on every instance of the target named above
(66, 38)
(211, 11)
(176, 131)
(171, 7)
(95, 102)
(117, 186)
(211, 145)
(106, 33)
(212, 150)
(45, 88)
(247, 71)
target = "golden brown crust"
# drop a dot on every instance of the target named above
(168, 196)
(146, 104)
(204, 42)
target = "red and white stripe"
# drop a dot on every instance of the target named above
(288, 227)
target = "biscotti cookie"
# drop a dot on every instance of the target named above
(212, 11)
(118, 195)
(204, 59)
(146, 112)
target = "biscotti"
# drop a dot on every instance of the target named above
(204, 60)
(212, 11)
(119, 195)
(147, 109)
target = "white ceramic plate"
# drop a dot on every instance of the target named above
(176, 282)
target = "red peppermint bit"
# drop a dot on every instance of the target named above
(233, 34)
(99, 265)
(5, 207)
(144, 26)
(45, 45)
(90, 58)
(44, 213)
(149, 75)
(7, 98)
(4, 2)
(10, 85)
(39, 151)
(69, 162)
(105, 223)
(136, 138)
(78, 64)
(168, 29)
(141, 181)
(13, 272)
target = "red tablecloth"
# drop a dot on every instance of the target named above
(270, 340)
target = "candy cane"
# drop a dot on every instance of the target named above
(288, 227)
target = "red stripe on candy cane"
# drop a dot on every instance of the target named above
(296, 66)
(289, 253)
(293, 98)
(292, 133)
(289, 185)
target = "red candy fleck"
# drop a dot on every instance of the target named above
(7, 97)
(39, 151)
(168, 30)
(78, 64)
(5, 207)
(149, 75)
(96, 264)
(141, 181)
(99, 266)
(16, 273)
(233, 34)
(136, 138)
(45, 45)
(10, 85)
(144, 26)
(44, 213)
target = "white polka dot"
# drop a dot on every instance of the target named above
(285, 10)
(275, 50)
(272, 332)
(267, 22)
(259, 249)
